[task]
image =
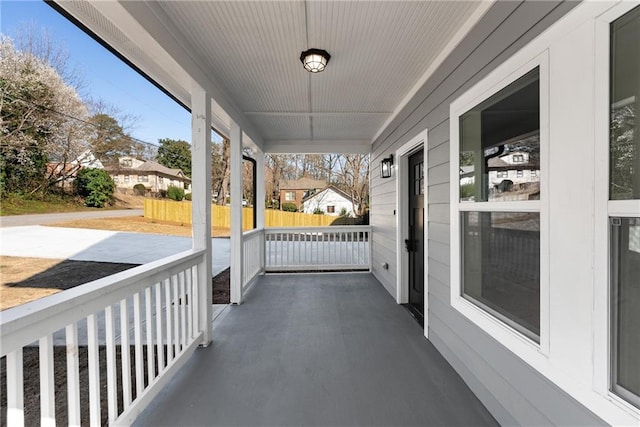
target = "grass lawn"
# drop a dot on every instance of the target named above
(14, 204)
(17, 205)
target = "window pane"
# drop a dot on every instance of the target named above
(500, 144)
(625, 271)
(501, 266)
(625, 98)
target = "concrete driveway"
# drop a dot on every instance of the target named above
(39, 241)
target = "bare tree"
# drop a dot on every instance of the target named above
(354, 180)
(29, 38)
(224, 173)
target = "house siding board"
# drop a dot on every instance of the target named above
(496, 375)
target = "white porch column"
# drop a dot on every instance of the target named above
(236, 214)
(260, 189)
(259, 202)
(201, 201)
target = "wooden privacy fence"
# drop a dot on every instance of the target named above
(169, 210)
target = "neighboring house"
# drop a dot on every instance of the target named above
(331, 201)
(155, 177)
(67, 172)
(88, 160)
(296, 190)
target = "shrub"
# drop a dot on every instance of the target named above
(289, 207)
(96, 186)
(139, 189)
(318, 211)
(467, 191)
(343, 212)
(188, 196)
(175, 193)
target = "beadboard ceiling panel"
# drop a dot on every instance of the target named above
(249, 52)
(283, 127)
(347, 126)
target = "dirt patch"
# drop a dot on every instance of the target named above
(32, 384)
(139, 224)
(27, 279)
(222, 288)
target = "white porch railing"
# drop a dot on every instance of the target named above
(252, 255)
(158, 329)
(318, 248)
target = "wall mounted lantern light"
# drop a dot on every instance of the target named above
(315, 60)
(385, 167)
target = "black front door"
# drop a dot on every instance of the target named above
(415, 240)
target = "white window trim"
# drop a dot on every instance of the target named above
(604, 209)
(514, 340)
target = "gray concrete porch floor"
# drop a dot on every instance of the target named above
(316, 350)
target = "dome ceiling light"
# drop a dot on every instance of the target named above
(315, 60)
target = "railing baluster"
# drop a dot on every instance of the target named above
(151, 368)
(73, 375)
(190, 304)
(176, 316)
(137, 337)
(112, 379)
(47, 395)
(125, 353)
(94, 370)
(196, 300)
(169, 342)
(159, 340)
(183, 311)
(15, 388)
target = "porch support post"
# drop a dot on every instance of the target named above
(259, 202)
(201, 202)
(236, 214)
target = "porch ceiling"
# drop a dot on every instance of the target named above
(247, 55)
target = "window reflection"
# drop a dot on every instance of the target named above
(625, 97)
(501, 266)
(500, 145)
(625, 270)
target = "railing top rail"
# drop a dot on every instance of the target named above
(24, 324)
(328, 228)
(253, 232)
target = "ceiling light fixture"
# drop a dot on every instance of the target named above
(315, 60)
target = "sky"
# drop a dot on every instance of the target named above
(106, 77)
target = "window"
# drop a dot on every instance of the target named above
(624, 206)
(331, 209)
(518, 158)
(499, 223)
(290, 196)
(160, 179)
(115, 178)
(126, 163)
(519, 173)
(126, 178)
(143, 178)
